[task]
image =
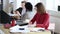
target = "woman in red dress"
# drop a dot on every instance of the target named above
(41, 17)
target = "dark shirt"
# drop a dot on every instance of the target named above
(4, 17)
(20, 10)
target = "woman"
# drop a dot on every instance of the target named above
(29, 11)
(41, 17)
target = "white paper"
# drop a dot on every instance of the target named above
(16, 29)
(26, 29)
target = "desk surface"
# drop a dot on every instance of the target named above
(7, 31)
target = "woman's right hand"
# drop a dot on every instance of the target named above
(29, 25)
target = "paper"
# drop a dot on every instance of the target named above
(16, 29)
(26, 29)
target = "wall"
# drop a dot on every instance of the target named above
(52, 5)
(44, 2)
(57, 23)
(18, 3)
(58, 2)
(6, 5)
(34, 2)
(14, 4)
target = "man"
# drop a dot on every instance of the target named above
(21, 10)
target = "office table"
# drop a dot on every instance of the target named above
(7, 31)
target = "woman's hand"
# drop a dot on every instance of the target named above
(30, 23)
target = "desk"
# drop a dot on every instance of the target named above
(7, 31)
(46, 32)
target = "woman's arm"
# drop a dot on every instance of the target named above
(33, 20)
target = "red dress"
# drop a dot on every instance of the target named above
(42, 20)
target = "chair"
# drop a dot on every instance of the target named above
(51, 27)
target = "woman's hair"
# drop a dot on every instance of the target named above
(28, 6)
(40, 7)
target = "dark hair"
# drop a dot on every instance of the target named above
(28, 6)
(23, 2)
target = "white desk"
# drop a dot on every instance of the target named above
(15, 30)
(7, 31)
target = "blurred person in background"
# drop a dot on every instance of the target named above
(20, 11)
(29, 10)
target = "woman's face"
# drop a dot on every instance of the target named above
(23, 5)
